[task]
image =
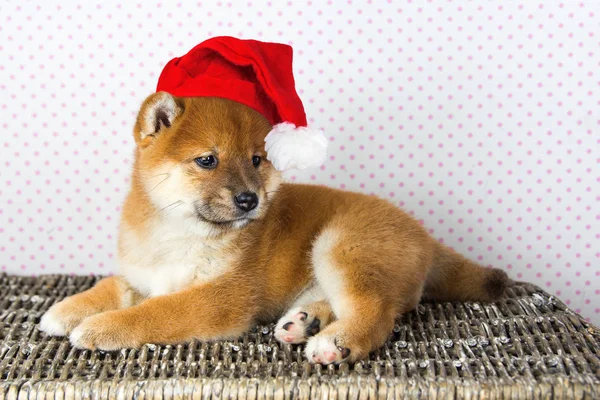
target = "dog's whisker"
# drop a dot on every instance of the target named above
(172, 208)
(175, 203)
(163, 173)
(161, 182)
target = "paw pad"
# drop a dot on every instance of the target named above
(324, 350)
(287, 326)
(296, 327)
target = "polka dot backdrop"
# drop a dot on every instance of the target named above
(475, 117)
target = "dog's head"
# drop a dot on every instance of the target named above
(204, 158)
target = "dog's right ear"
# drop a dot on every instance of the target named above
(158, 112)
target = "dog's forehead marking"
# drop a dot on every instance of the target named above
(212, 122)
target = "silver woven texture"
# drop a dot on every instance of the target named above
(528, 345)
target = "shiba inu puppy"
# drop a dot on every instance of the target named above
(212, 241)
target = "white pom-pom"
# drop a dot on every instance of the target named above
(291, 147)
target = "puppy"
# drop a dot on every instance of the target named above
(212, 242)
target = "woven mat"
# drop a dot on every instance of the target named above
(529, 345)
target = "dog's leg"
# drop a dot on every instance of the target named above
(309, 314)
(223, 308)
(108, 294)
(365, 293)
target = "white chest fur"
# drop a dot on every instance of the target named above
(170, 258)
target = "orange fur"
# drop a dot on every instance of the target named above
(346, 264)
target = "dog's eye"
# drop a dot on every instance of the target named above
(256, 161)
(207, 162)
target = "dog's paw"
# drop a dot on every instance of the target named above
(325, 350)
(60, 319)
(296, 327)
(106, 331)
(53, 323)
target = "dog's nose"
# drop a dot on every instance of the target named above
(246, 201)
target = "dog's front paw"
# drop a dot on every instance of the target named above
(107, 331)
(325, 349)
(62, 318)
(296, 327)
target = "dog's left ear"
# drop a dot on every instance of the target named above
(158, 112)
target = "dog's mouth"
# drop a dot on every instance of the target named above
(222, 222)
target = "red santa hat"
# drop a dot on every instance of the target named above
(259, 75)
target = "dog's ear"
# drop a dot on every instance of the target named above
(158, 112)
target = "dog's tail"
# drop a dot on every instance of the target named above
(455, 278)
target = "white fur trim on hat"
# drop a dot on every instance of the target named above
(291, 147)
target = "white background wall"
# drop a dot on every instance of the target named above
(478, 117)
